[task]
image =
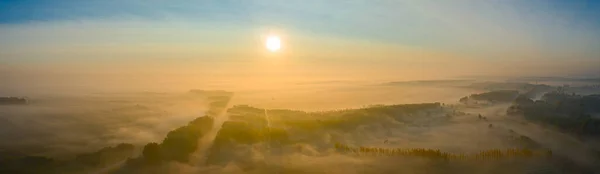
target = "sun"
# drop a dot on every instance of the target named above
(273, 43)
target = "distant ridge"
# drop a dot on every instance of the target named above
(426, 82)
(12, 101)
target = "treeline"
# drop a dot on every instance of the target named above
(386, 109)
(437, 154)
(12, 101)
(249, 125)
(243, 133)
(499, 96)
(346, 119)
(352, 118)
(494, 86)
(81, 164)
(180, 143)
(570, 112)
(234, 133)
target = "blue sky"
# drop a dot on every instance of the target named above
(563, 31)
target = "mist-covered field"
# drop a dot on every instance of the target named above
(318, 87)
(63, 125)
(296, 129)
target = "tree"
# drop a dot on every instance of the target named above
(152, 153)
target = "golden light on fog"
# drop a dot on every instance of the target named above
(273, 43)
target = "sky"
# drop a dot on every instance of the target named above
(334, 39)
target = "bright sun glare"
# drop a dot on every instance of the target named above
(273, 43)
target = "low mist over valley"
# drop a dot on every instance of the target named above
(297, 86)
(301, 129)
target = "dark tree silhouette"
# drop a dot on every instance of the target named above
(152, 153)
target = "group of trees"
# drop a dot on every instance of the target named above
(82, 163)
(244, 133)
(106, 156)
(249, 125)
(181, 142)
(569, 112)
(178, 145)
(12, 101)
(523, 87)
(349, 119)
(234, 133)
(499, 96)
(436, 153)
